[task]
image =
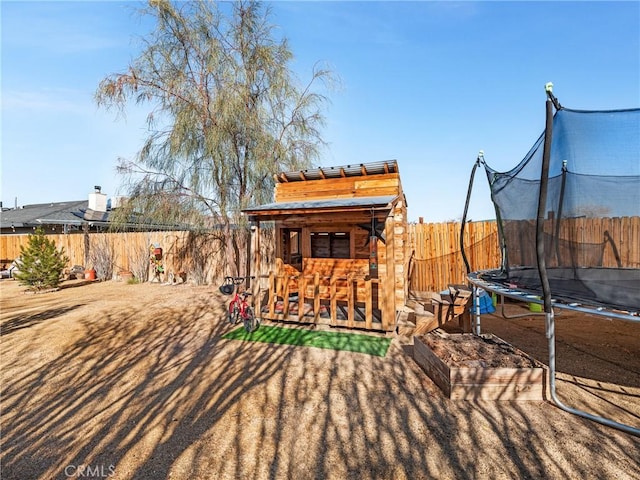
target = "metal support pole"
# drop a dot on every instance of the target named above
(476, 303)
(540, 254)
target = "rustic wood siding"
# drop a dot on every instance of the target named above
(348, 187)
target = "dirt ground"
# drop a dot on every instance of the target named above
(110, 380)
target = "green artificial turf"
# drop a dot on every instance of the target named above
(350, 342)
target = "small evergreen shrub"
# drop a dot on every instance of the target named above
(40, 264)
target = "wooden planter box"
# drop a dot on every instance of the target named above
(463, 375)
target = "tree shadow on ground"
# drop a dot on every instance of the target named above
(587, 346)
(157, 393)
(18, 322)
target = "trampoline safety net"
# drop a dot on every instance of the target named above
(592, 219)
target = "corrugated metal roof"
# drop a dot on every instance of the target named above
(352, 170)
(327, 204)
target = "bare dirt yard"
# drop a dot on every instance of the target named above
(110, 380)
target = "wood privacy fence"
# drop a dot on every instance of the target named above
(434, 248)
(200, 256)
(436, 259)
(602, 242)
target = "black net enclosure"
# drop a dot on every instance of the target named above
(591, 224)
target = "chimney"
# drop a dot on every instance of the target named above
(98, 200)
(118, 201)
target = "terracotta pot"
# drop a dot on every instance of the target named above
(90, 274)
(126, 276)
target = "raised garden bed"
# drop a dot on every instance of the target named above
(485, 367)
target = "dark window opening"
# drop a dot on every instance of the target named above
(330, 245)
(291, 251)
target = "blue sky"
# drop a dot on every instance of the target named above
(426, 83)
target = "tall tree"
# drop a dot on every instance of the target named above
(228, 113)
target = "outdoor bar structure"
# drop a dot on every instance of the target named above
(340, 256)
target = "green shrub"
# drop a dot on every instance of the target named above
(40, 263)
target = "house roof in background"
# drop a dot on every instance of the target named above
(72, 213)
(44, 214)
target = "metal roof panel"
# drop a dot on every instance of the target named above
(334, 203)
(352, 170)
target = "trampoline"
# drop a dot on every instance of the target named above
(568, 219)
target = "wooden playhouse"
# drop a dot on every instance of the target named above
(341, 256)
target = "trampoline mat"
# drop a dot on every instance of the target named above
(615, 288)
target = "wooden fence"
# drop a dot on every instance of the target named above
(434, 248)
(602, 242)
(201, 257)
(436, 259)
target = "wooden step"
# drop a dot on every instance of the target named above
(419, 307)
(425, 323)
(406, 323)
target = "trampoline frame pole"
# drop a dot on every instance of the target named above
(544, 280)
(479, 160)
(476, 304)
